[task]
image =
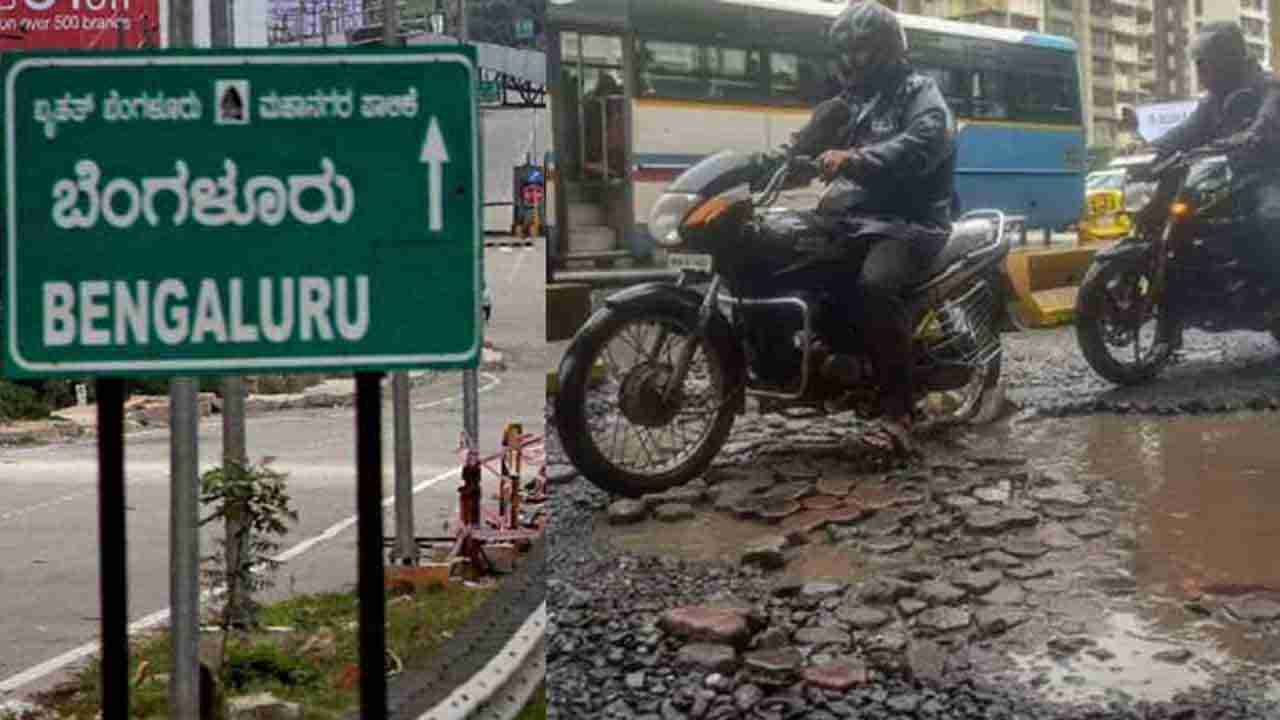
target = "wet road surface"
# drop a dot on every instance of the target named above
(1152, 562)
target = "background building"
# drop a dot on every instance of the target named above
(1131, 51)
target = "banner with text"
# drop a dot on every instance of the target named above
(79, 24)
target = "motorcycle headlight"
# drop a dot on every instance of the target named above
(666, 216)
(1138, 195)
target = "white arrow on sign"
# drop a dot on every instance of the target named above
(435, 155)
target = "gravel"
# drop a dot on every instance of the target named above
(913, 642)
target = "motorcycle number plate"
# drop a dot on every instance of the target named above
(689, 261)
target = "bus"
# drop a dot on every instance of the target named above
(643, 89)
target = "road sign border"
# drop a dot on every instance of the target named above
(362, 362)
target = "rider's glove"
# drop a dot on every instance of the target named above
(766, 163)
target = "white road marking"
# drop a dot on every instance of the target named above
(19, 512)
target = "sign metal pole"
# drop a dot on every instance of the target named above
(373, 679)
(113, 576)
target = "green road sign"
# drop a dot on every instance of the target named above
(490, 91)
(524, 29)
(186, 212)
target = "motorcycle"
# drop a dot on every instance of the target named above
(1179, 267)
(651, 384)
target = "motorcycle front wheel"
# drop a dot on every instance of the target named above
(617, 426)
(1117, 323)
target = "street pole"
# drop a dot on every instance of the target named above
(406, 550)
(181, 23)
(235, 454)
(184, 496)
(470, 376)
(184, 549)
(390, 24)
(234, 447)
(220, 23)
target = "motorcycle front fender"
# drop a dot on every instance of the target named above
(668, 299)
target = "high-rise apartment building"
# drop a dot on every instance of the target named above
(1131, 51)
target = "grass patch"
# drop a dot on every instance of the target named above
(314, 664)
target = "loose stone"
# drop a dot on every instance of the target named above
(1025, 548)
(1006, 594)
(821, 636)
(1255, 609)
(887, 545)
(944, 619)
(978, 582)
(939, 593)
(673, 512)
(863, 618)
(774, 667)
(715, 625)
(627, 512)
(766, 553)
(705, 656)
(836, 676)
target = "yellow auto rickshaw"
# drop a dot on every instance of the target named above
(1105, 216)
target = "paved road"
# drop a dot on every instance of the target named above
(48, 523)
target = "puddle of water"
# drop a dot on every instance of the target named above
(1196, 508)
(719, 537)
(708, 537)
(1133, 641)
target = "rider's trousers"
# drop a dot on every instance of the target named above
(892, 265)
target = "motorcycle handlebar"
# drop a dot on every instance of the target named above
(1182, 157)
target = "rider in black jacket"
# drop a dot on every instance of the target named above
(1224, 67)
(899, 148)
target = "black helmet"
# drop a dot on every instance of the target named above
(1221, 56)
(870, 43)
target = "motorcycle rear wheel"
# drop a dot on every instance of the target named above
(612, 421)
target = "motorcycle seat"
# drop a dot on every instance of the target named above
(966, 236)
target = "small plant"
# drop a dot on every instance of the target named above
(18, 402)
(260, 663)
(254, 498)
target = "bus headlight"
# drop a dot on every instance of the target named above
(1138, 195)
(666, 216)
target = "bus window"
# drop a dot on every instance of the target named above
(784, 76)
(797, 80)
(734, 74)
(669, 69)
(990, 95)
(602, 50)
(1042, 98)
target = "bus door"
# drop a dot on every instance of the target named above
(593, 154)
